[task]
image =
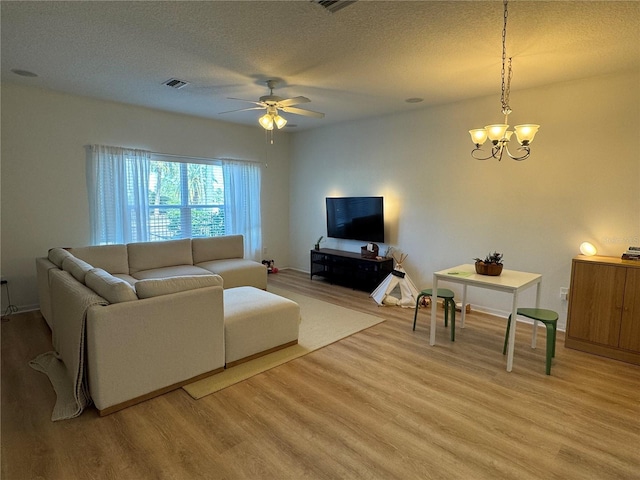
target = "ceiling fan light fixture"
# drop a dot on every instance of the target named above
(266, 121)
(279, 121)
(273, 105)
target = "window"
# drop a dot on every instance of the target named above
(186, 200)
(136, 196)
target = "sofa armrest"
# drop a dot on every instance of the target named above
(43, 266)
(136, 349)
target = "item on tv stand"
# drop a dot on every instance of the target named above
(369, 251)
(632, 253)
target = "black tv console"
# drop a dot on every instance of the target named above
(349, 268)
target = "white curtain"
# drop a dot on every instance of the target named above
(118, 184)
(242, 204)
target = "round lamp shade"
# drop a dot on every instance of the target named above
(588, 249)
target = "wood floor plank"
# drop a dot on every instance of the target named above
(381, 404)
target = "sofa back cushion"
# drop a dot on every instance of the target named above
(149, 255)
(57, 256)
(112, 258)
(76, 267)
(164, 286)
(217, 248)
(112, 289)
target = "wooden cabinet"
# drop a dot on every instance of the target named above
(604, 307)
(350, 269)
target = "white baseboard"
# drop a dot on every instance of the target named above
(505, 315)
(295, 269)
(23, 308)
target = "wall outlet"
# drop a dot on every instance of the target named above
(265, 250)
(564, 293)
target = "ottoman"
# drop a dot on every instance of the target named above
(256, 323)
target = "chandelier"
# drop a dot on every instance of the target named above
(499, 134)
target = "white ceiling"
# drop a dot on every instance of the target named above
(363, 60)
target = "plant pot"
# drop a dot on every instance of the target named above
(491, 269)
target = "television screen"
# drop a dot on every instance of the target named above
(356, 218)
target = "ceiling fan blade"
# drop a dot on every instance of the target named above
(243, 100)
(300, 111)
(242, 110)
(293, 101)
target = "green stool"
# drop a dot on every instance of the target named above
(449, 302)
(550, 320)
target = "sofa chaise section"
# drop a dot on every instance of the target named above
(257, 323)
(140, 349)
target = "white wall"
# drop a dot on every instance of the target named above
(442, 208)
(44, 195)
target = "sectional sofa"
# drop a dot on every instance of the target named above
(133, 321)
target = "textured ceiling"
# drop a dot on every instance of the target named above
(363, 60)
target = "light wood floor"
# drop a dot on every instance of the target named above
(381, 404)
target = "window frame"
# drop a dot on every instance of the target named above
(185, 207)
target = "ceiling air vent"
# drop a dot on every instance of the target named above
(334, 5)
(175, 83)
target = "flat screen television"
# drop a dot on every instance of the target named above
(356, 218)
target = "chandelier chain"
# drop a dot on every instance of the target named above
(506, 86)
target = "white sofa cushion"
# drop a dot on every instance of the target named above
(174, 271)
(112, 289)
(217, 248)
(151, 255)
(112, 258)
(57, 256)
(164, 286)
(127, 278)
(238, 272)
(76, 267)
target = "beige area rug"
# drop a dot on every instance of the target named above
(322, 324)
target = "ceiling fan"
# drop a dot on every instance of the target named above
(272, 103)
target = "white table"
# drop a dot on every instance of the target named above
(510, 281)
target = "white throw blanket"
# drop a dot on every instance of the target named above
(65, 366)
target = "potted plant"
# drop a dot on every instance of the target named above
(317, 246)
(491, 265)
